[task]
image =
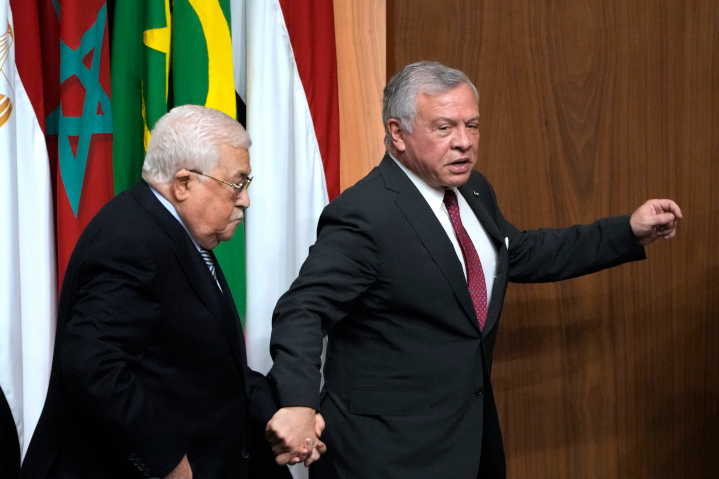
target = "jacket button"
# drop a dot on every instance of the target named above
(131, 457)
(245, 454)
(141, 467)
(478, 391)
(136, 462)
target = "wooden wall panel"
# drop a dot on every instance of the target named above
(361, 46)
(589, 107)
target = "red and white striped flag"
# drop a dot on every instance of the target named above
(286, 74)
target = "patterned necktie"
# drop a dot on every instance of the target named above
(209, 262)
(475, 274)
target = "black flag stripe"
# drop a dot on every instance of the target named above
(241, 110)
(9, 441)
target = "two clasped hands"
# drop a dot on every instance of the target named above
(293, 434)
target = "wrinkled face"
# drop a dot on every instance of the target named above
(211, 211)
(442, 148)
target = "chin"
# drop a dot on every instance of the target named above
(457, 181)
(228, 233)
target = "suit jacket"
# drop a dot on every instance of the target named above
(149, 361)
(407, 372)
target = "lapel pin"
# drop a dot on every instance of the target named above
(475, 193)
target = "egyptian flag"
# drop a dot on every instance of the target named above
(28, 286)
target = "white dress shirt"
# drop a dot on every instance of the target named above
(486, 250)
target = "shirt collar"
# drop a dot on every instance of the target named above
(433, 196)
(171, 208)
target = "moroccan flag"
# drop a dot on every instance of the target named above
(286, 72)
(166, 55)
(28, 286)
(76, 63)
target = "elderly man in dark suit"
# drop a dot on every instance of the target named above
(407, 280)
(150, 377)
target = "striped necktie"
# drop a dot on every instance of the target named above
(209, 262)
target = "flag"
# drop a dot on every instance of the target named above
(286, 76)
(76, 63)
(28, 287)
(285, 73)
(165, 57)
(311, 27)
(140, 75)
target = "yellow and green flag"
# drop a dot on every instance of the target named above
(166, 54)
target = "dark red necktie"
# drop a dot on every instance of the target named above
(475, 274)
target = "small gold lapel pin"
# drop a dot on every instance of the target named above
(475, 193)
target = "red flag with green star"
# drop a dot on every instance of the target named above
(76, 64)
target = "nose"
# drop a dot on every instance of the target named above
(462, 139)
(243, 199)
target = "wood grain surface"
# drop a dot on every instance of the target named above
(361, 44)
(590, 107)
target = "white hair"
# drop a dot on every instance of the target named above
(400, 94)
(190, 137)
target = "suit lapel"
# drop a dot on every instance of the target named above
(236, 317)
(482, 214)
(195, 269)
(424, 222)
(201, 280)
(226, 291)
(480, 210)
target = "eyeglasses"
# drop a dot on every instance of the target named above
(237, 186)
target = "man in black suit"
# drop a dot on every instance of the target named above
(407, 280)
(149, 376)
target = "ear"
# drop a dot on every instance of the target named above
(180, 185)
(396, 134)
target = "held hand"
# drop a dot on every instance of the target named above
(655, 219)
(319, 447)
(182, 471)
(288, 432)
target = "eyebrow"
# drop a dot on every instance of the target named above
(453, 120)
(241, 174)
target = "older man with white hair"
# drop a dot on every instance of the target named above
(150, 376)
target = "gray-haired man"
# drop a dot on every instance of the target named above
(407, 280)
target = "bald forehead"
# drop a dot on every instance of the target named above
(234, 162)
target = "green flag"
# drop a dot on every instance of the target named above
(169, 55)
(140, 81)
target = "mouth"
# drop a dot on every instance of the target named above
(239, 215)
(461, 165)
